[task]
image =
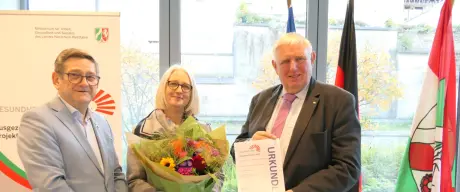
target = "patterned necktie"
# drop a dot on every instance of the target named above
(282, 114)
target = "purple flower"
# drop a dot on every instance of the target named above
(187, 163)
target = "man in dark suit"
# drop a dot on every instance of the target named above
(316, 123)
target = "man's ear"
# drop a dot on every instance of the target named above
(313, 57)
(274, 66)
(55, 78)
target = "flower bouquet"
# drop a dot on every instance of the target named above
(186, 159)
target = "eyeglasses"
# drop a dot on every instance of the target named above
(76, 78)
(174, 85)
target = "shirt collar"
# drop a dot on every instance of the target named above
(75, 112)
(302, 94)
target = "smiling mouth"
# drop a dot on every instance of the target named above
(294, 76)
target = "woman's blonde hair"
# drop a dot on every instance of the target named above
(193, 106)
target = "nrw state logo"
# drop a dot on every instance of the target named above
(103, 103)
(102, 34)
(255, 147)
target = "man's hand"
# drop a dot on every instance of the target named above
(259, 135)
(289, 190)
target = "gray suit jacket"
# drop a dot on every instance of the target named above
(325, 148)
(57, 156)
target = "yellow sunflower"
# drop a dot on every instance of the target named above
(168, 162)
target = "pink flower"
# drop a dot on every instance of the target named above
(185, 170)
(215, 152)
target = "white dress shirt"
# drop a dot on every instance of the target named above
(88, 130)
(291, 119)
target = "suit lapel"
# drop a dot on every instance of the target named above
(268, 109)
(63, 114)
(100, 141)
(308, 108)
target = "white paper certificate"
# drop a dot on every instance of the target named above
(259, 166)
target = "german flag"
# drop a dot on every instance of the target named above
(347, 75)
(347, 69)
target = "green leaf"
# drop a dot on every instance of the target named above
(182, 160)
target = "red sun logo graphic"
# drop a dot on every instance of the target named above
(255, 147)
(103, 103)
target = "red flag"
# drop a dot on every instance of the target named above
(428, 164)
(442, 62)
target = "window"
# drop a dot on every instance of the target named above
(393, 49)
(140, 56)
(9, 5)
(139, 27)
(227, 46)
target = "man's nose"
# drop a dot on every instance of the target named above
(83, 81)
(293, 65)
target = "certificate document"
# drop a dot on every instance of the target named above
(259, 166)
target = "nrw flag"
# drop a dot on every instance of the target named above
(428, 164)
(347, 75)
(290, 23)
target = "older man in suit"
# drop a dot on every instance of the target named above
(65, 146)
(316, 123)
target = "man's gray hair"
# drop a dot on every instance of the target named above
(292, 39)
(66, 54)
(193, 106)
